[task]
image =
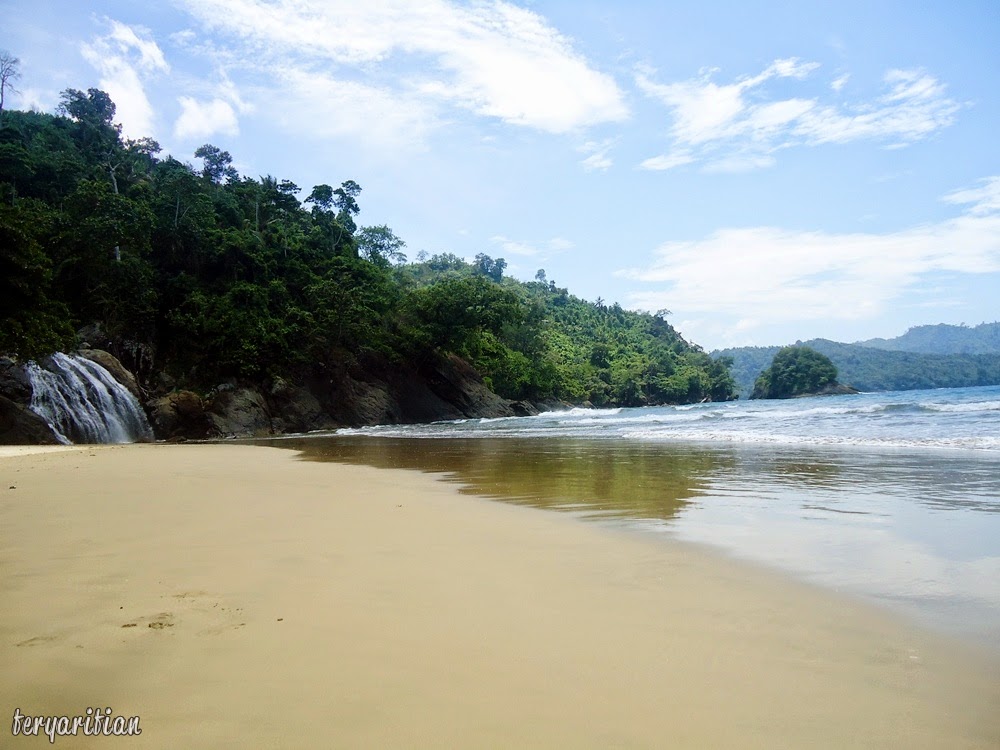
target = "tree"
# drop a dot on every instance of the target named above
(490, 267)
(9, 72)
(321, 197)
(218, 164)
(795, 371)
(379, 245)
(94, 108)
(347, 206)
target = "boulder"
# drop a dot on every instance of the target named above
(458, 384)
(179, 414)
(295, 409)
(110, 363)
(239, 412)
(14, 382)
(21, 426)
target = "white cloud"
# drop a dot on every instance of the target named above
(769, 275)
(668, 161)
(738, 123)
(530, 249)
(599, 155)
(839, 82)
(125, 58)
(323, 106)
(494, 59)
(203, 119)
(982, 201)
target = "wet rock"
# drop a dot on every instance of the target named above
(179, 414)
(110, 363)
(21, 426)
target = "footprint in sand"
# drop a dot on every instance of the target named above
(38, 640)
(155, 622)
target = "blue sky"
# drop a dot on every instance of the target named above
(765, 171)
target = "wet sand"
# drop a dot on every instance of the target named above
(235, 596)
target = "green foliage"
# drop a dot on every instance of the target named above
(871, 369)
(943, 339)
(795, 371)
(224, 275)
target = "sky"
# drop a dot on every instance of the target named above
(766, 172)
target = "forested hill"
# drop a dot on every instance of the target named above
(870, 369)
(943, 339)
(198, 275)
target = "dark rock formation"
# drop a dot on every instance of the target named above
(239, 411)
(110, 363)
(831, 389)
(180, 414)
(14, 382)
(21, 426)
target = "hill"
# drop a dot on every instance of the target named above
(870, 369)
(798, 371)
(943, 339)
(206, 281)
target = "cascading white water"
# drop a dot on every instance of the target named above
(83, 404)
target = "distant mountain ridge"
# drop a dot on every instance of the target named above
(932, 356)
(943, 339)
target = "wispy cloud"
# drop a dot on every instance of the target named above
(598, 155)
(770, 275)
(429, 56)
(738, 123)
(126, 57)
(203, 119)
(532, 249)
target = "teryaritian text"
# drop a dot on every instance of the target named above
(94, 723)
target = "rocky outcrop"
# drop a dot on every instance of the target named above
(21, 426)
(831, 389)
(239, 411)
(110, 363)
(14, 382)
(179, 414)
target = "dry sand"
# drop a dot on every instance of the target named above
(237, 597)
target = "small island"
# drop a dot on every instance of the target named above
(798, 371)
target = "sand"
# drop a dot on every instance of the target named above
(237, 597)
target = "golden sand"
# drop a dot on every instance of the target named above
(236, 597)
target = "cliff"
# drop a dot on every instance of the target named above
(374, 391)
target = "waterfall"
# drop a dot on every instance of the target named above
(83, 404)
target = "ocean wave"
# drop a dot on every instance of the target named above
(980, 443)
(963, 408)
(579, 411)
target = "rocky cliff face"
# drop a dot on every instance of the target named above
(371, 392)
(375, 393)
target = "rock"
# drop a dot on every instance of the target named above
(179, 414)
(14, 382)
(455, 382)
(110, 363)
(832, 389)
(524, 409)
(553, 404)
(21, 426)
(92, 335)
(296, 409)
(239, 412)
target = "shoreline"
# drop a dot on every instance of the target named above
(234, 596)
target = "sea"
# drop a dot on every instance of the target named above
(893, 497)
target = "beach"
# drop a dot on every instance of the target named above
(237, 596)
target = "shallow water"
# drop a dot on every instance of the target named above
(893, 497)
(918, 531)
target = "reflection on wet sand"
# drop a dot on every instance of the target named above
(915, 530)
(592, 478)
